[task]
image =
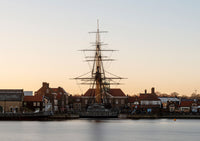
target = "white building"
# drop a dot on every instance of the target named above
(164, 100)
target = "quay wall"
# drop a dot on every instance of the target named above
(163, 116)
(42, 117)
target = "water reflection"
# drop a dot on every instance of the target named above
(101, 130)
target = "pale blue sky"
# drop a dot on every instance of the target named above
(158, 42)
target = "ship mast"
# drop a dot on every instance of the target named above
(98, 79)
(98, 73)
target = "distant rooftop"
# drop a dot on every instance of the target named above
(113, 92)
(11, 94)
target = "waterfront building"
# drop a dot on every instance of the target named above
(11, 100)
(58, 97)
(133, 102)
(149, 102)
(185, 106)
(172, 106)
(166, 100)
(33, 104)
(75, 103)
(115, 96)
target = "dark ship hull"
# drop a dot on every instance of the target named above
(98, 111)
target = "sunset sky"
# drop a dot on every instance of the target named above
(158, 43)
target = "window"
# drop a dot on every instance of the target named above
(55, 102)
(86, 101)
(34, 103)
(149, 110)
(25, 103)
(171, 109)
(16, 109)
(116, 101)
(136, 103)
(38, 103)
(122, 101)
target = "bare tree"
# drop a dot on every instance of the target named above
(159, 94)
(174, 94)
(195, 96)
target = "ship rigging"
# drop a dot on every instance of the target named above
(98, 80)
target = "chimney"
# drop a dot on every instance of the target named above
(145, 91)
(45, 84)
(153, 90)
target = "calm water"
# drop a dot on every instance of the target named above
(101, 130)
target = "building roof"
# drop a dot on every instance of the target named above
(11, 94)
(132, 99)
(186, 103)
(11, 91)
(148, 97)
(113, 92)
(58, 92)
(33, 98)
(166, 99)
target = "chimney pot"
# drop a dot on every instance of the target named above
(153, 90)
(45, 84)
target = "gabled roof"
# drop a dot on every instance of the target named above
(148, 97)
(132, 99)
(186, 103)
(33, 98)
(59, 91)
(113, 92)
(51, 91)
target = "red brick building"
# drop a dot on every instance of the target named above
(116, 97)
(186, 106)
(57, 96)
(133, 102)
(149, 102)
(33, 103)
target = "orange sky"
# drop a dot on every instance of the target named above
(158, 43)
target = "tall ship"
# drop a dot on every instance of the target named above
(99, 103)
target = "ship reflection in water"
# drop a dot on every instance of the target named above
(101, 130)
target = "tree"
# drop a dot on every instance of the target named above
(174, 94)
(159, 94)
(195, 96)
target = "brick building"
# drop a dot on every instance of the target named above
(133, 102)
(11, 100)
(115, 97)
(57, 96)
(149, 102)
(33, 103)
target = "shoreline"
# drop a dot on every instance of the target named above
(61, 117)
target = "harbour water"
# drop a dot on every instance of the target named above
(101, 130)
